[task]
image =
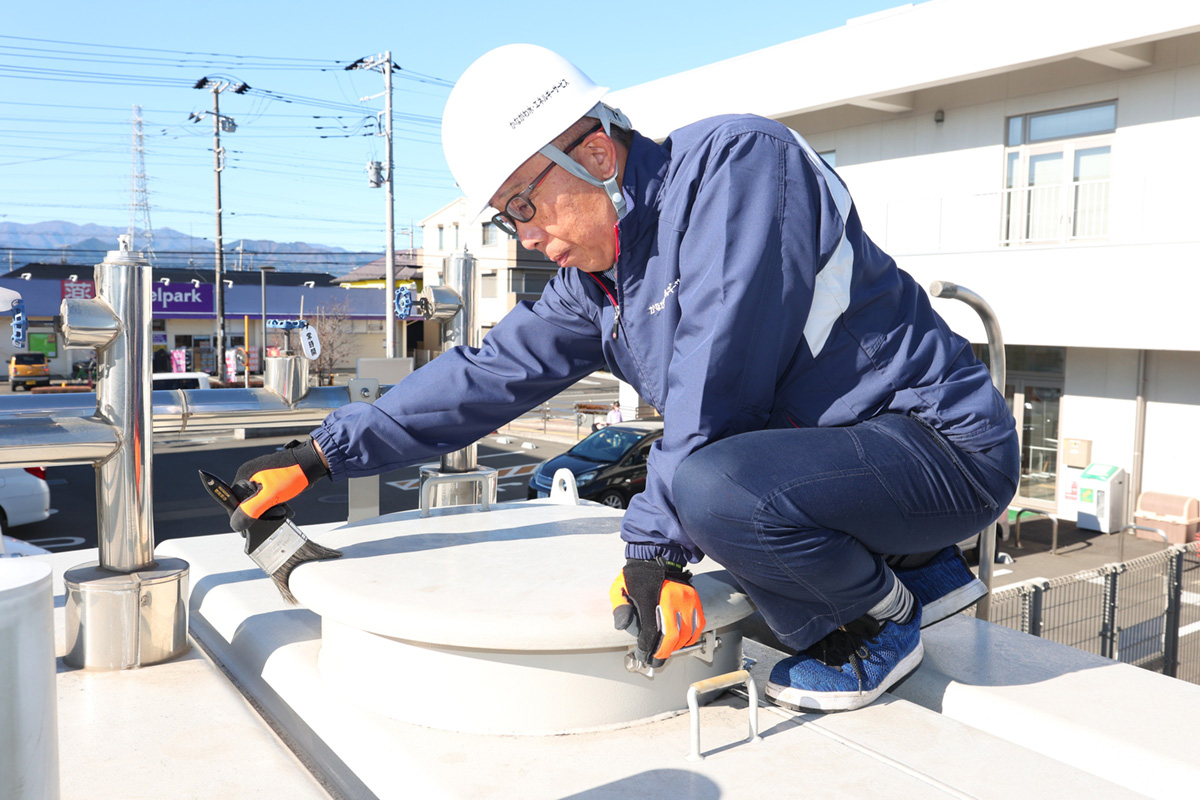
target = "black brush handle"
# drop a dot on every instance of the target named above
(219, 490)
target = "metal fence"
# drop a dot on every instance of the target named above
(1144, 612)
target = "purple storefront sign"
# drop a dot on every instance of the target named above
(182, 300)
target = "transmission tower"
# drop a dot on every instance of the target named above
(139, 206)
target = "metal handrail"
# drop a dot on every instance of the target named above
(1053, 522)
(991, 327)
(1132, 527)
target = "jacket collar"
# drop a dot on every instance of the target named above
(645, 169)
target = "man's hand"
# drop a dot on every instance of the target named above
(265, 483)
(655, 601)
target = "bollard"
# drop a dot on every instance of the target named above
(28, 690)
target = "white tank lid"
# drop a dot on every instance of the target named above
(523, 576)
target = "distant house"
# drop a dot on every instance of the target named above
(508, 272)
(372, 276)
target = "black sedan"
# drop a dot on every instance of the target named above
(609, 465)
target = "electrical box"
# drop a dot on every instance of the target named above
(1077, 453)
(1101, 504)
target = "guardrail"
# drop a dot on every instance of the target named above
(1141, 612)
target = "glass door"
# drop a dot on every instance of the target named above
(1035, 405)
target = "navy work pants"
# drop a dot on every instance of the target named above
(803, 517)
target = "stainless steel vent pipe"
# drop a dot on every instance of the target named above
(125, 610)
(455, 304)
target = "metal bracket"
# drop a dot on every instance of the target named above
(563, 489)
(711, 685)
(703, 650)
(363, 390)
(484, 476)
(362, 494)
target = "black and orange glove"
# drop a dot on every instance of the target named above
(265, 484)
(654, 600)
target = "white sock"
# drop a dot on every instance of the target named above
(896, 605)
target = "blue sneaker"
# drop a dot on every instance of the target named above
(943, 586)
(850, 667)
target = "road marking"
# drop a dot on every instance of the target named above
(58, 542)
(504, 472)
(1191, 598)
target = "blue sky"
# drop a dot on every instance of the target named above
(71, 71)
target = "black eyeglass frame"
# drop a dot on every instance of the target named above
(507, 219)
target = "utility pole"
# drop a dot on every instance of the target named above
(227, 124)
(384, 64)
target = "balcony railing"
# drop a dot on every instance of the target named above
(1043, 215)
(1058, 213)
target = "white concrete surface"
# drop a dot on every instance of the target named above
(1121, 723)
(177, 730)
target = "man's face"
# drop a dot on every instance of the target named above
(573, 226)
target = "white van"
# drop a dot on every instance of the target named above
(181, 380)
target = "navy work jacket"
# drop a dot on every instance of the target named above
(747, 297)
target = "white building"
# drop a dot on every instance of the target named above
(1041, 154)
(508, 272)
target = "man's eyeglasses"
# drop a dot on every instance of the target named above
(519, 207)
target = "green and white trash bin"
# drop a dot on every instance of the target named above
(1101, 503)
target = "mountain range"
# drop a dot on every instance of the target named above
(57, 242)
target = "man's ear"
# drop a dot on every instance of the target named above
(598, 155)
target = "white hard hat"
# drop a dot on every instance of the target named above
(510, 104)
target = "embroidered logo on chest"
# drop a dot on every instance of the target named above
(661, 304)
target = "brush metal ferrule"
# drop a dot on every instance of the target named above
(278, 548)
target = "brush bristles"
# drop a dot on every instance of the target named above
(309, 551)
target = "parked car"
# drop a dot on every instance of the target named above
(609, 465)
(182, 380)
(24, 497)
(28, 369)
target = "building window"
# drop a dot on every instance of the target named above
(456, 236)
(529, 281)
(441, 238)
(489, 233)
(1057, 166)
(488, 285)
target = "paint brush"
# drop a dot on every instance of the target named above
(276, 545)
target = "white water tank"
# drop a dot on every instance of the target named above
(498, 622)
(28, 691)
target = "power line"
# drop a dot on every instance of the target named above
(150, 49)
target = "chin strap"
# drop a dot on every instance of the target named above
(608, 117)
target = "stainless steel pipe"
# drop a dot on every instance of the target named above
(59, 429)
(991, 328)
(117, 324)
(107, 609)
(459, 327)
